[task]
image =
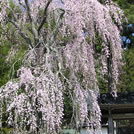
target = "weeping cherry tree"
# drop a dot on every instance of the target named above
(62, 39)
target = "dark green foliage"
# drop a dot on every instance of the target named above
(102, 80)
(103, 84)
(4, 67)
(126, 79)
(128, 33)
(7, 67)
(13, 42)
(98, 43)
(127, 72)
(68, 108)
(128, 7)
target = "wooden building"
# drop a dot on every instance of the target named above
(118, 113)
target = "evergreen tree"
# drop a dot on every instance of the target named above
(127, 72)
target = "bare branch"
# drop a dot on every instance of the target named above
(59, 21)
(14, 17)
(44, 16)
(34, 31)
(28, 10)
(27, 39)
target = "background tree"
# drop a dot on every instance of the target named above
(127, 6)
(62, 48)
(126, 75)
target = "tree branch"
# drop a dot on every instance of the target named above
(28, 10)
(34, 31)
(54, 34)
(44, 16)
(28, 40)
(14, 17)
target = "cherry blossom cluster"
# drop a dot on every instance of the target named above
(37, 101)
(99, 19)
